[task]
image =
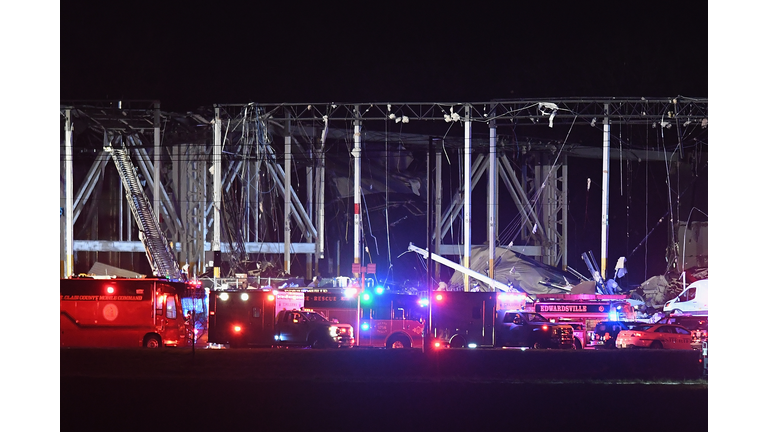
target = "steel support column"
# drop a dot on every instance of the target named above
(357, 192)
(287, 201)
(467, 192)
(216, 243)
(606, 178)
(492, 198)
(69, 221)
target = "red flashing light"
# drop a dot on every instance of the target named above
(437, 344)
(238, 329)
(439, 297)
(271, 297)
(110, 290)
(544, 327)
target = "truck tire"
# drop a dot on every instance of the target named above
(152, 341)
(577, 344)
(537, 345)
(458, 342)
(317, 342)
(399, 341)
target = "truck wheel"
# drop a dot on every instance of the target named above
(458, 342)
(317, 343)
(577, 344)
(537, 345)
(152, 341)
(399, 342)
(656, 345)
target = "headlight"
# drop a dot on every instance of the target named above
(333, 330)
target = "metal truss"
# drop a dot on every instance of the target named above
(522, 111)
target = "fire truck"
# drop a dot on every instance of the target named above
(264, 318)
(118, 312)
(123, 312)
(583, 312)
(383, 319)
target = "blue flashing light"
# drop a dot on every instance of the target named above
(366, 297)
(379, 290)
(364, 326)
(423, 302)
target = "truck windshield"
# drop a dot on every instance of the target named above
(314, 316)
(534, 317)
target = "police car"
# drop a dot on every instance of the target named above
(657, 336)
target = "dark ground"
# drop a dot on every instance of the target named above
(359, 389)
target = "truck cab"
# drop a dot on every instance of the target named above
(532, 330)
(305, 328)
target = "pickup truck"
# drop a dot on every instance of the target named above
(532, 330)
(305, 328)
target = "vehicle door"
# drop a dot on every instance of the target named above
(693, 301)
(514, 330)
(293, 328)
(683, 338)
(176, 322)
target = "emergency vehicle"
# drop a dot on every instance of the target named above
(655, 336)
(492, 319)
(392, 320)
(382, 319)
(265, 318)
(119, 312)
(584, 309)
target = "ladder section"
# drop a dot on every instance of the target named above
(158, 251)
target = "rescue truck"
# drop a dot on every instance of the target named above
(265, 318)
(383, 319)
(119, 312)
(492, 319)
(583, 311)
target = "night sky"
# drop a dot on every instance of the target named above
(188, 54)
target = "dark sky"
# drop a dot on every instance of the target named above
(187, 54)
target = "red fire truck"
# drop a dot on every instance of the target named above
(583, 312)
(392, 320)
(385, 320)
(118, 312)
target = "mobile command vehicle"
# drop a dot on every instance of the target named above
(693, 300)
(119, 312)
(257, 318)
(492, 319)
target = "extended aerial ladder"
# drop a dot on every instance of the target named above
(159, 252)
(493, 283)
